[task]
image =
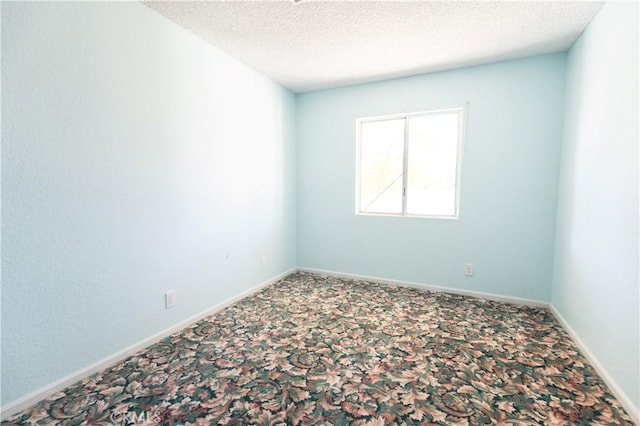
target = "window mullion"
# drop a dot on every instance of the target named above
(405, 165)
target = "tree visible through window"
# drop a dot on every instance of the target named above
(410, 164)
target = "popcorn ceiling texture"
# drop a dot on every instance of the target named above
(319, 44)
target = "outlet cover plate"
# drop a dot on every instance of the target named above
(169, 299)
(468, 269)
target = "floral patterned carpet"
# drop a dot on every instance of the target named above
(321, 350)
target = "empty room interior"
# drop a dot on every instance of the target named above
(320, 212)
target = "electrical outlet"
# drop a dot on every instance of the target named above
(468, 269)
(169, 299)
(263, 263)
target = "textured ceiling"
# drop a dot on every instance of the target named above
(313, 44)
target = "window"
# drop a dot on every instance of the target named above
(409, 165)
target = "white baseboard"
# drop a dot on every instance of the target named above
(620, 395)
(27, 401)
(441, 289)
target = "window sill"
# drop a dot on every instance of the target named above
(414, 216)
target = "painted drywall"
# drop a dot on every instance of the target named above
(0, 212)
(508, 186)
(595, 285)
(136, 159)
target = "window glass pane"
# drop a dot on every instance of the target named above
(432, 150)
(381, 158)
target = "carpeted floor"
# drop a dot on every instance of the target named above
(321, 350)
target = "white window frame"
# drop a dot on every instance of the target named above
(462, 123)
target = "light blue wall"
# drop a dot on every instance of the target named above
(136, 159)
(508, 191)
(595, 284)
